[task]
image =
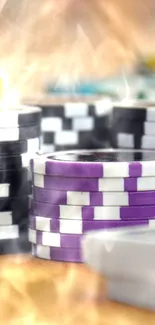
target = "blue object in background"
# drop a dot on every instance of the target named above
(80, 89)
(84, 88)
(118, 87)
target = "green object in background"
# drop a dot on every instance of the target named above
(141, 95)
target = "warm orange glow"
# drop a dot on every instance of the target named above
(4, 85)
(38, 292)
(68, 40)
(9, 97)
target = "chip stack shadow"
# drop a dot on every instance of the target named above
(20, 132)
(85, 190)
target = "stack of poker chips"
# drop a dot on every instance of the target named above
(20, 133)
(76, 125)
(79, 191)
(134, 126)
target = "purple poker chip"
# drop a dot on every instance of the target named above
(54, 239)
(67, 226)
(94, 164)
(57, 254)
(94, 184)
(72, 198)
(92, 213)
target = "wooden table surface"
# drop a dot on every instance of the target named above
(37, 292)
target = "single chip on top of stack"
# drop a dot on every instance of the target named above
(76, 125)
(79, 191)
(134, 126)
(19, 140)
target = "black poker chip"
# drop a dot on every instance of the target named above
(20, 133)
(126, 126)
(20, 116)
(18, 180)
(82, 140)
(16, 177)
(138, 111)
(74, 110)
(19, 207)
(15, 246)
(14, 162)
(10, 148)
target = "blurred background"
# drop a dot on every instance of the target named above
(47, 44)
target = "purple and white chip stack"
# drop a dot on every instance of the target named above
(80, 191)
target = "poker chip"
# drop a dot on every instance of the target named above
(14, 162)
(13, 240)
(93, 213)
(20, 116)
(15, 246)
(68, 226)
(8, 190)
(101, 185)
(76, 125)
(131, 184)
(21, 133)
(19, 147)
(9, 232)
(74, 140)
(92, 164)
(57, 254)
(15, 178)
(77, 109)
(8, 218)
(54, 239)
(68, 198)
(131, 141)
(134, 127)
(138, 111)
(73, 124)
(16, 209)
(19, 141)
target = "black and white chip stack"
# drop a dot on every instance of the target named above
(133, 126)
(20, 132)
(76, 125)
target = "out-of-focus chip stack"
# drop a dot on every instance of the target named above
(20, 133)
(76, 192)
(76, 125)
(134, 126)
